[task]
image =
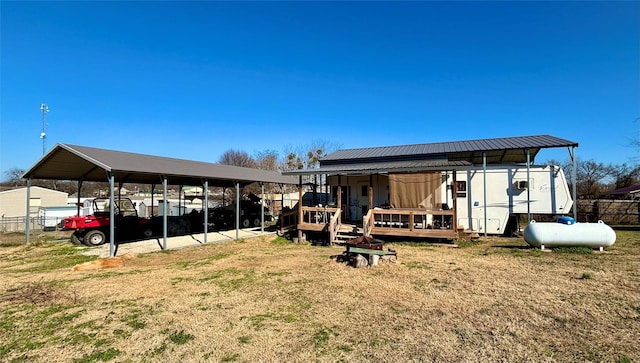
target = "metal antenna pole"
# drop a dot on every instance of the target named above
(43, 135)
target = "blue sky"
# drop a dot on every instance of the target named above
(194, 79)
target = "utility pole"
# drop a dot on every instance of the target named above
(43, 135)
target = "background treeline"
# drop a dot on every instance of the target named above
(593, 179)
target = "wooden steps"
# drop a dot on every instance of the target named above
(347, 232)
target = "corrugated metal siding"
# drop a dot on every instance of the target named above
(72, 162)
(451, 148)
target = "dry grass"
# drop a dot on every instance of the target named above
(263, 300)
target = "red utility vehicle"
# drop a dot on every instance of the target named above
(93, 230)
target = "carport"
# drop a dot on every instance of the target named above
(82, 163)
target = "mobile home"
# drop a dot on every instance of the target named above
(436, 190)
(509, 193)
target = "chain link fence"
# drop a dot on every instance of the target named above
(18, 224)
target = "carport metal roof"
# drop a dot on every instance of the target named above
(72, 162)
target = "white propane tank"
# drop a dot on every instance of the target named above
(594, 235)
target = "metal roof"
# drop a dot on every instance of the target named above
(384, 167)
(633, 189)
(72, 162)
(455, 155)
(498, 150)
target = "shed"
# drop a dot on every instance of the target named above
(13, 202)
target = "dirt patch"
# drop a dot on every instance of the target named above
(35, 293)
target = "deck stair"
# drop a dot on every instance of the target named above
(469, 234)
(347, 232)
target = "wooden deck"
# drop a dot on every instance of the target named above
(411, 223)
(415, 223)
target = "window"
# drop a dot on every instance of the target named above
(522, 184)
(364, 191)
(461, 189)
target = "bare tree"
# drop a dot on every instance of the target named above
(625, 175)
(237, 158)
(292, 159)
(266, 160)
(14, 176)
(308, 157)
(634, 142)
(591, 175)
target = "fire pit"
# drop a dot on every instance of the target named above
(366, 251)
(365, 242)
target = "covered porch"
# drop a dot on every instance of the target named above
(391, 190)
(405, 203)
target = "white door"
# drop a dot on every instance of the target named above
(363, 200)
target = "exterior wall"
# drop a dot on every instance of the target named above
(13, 203)
(547, 187)
(357, 200)
(506, 194)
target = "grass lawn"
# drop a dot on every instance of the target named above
(271, 300)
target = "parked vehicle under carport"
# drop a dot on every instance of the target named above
(93, 230)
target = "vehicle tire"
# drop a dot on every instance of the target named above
(147, 233)
(246, 223)
(257, 222)
(94, 238)
(76, 239)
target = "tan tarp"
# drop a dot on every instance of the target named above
(416, 190)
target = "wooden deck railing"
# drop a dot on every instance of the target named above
(289, 220)
(366, 223)
(410, 223)
(316, 218)
(334, 225)
(390, 222)
(313, 219)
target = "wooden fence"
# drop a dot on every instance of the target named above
(609, 211)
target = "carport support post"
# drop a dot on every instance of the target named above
(237, 210)
(370, 191)
(164, 213)
(454, 196)
(78, 202)
(153, 191)
(262, 208)
(206, 209)
(484, 187)
(112, 204)
(27, 226)
(340, 196)
(281, 202)
(300, 216)
(180, 200)
(224, 193)
(528, 186)
(574, 175)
